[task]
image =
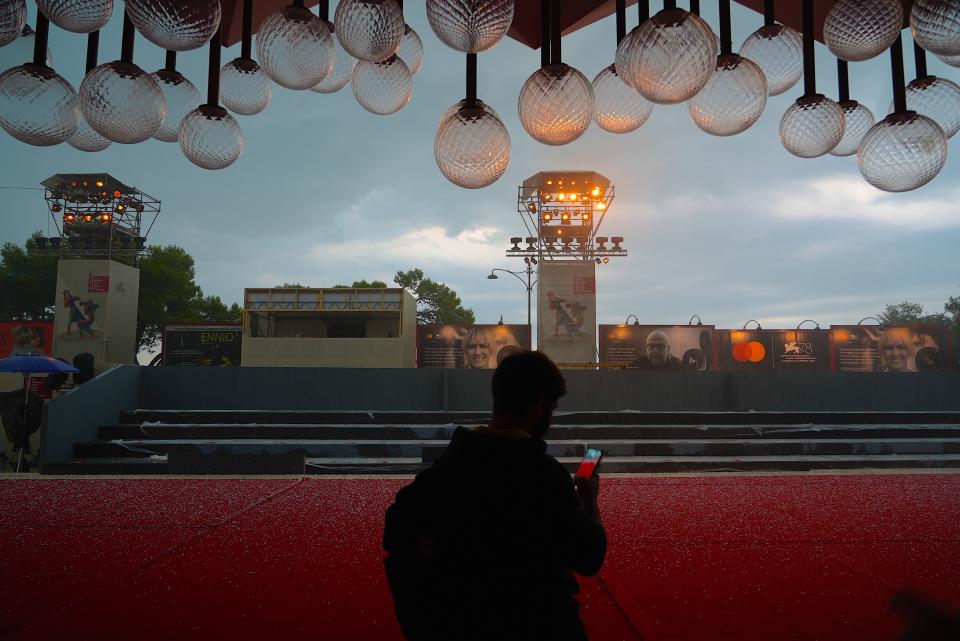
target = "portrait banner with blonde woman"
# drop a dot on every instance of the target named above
(469, 346)
(890, 348)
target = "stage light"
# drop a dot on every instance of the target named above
(597, 260)
(120, 208)
(87, 218)
(559, 232)
(105, 217)
(140, 241)
(69, 218)
(549, 182)
(516, 243)
(117, 194)
(616, 240)
(532, 208)
(547, 216)
(606, 260)
(601, 206)
(565, 216)
(586, 217)
(601, 242)
(595, 192)
(55, 207)
(531, 243)
(99, 183)
(561, 196)
(547, 197)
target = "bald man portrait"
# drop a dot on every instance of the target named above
(657, 353)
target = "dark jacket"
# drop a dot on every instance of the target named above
(482, 545)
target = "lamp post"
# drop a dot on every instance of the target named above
(528, 282)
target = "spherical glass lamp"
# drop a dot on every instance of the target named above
(902, 152)
(295, 48)
(244, 88)
(181, 96)
(470, 26)
(13, 17)
(621, 61)
(857, 30)
(78, 16)
(778, 51)
(37, 106)
(210, 137)
(812, 126)
(953, 61)
(20, 50)
(411, 50)
(672, 56)
(176, 25)
(936, 26)
(472, 147)
(936, 98)
(86, 139)
(369, 30)
(733, 98)
(383, 87)
(618, 107)
(857, 122)
(556, 104)
(122, 102)
(342, 72)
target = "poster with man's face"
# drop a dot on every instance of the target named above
(469, 346)
(894, 348)
(659, 347)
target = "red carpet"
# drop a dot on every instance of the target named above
(733, 557)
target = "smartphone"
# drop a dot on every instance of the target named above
(588, 466)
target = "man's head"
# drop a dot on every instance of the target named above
(658, 348)
(526, 387)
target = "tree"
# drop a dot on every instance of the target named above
(907, 313)
(363, 284)
(436, 302)
(168, 292)
(27, 282)
(291, 286)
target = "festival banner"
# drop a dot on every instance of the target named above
(201, 345)
(567, 311)
(659, 347)
(778, 349)
(469, 346)
(26, 338)
(891, 348)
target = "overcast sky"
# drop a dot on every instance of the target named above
(728, 228)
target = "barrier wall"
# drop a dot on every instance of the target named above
(75, 416)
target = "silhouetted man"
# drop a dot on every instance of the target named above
(482, 546)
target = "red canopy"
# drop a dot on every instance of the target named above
(574, 14)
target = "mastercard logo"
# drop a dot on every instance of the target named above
(749, 352)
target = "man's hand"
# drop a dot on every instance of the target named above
(587, 490)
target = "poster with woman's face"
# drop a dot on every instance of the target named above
(469, 346)
(895, 348)
(26, 338)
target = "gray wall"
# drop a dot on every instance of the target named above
(75, 416)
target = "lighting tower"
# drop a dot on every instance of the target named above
(97, 216)
(563, 211)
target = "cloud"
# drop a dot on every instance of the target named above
(849, 197)
(477, 246)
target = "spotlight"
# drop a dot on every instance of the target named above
(138, 206)
(547, 216)
(117, 194)
(601, 205)
(616, 243)
(595, 192)
(531, 243)
(140, 241)
(120, 208)
(105, 217)
(606, 260)
(601, 241)
(85, 183)
(559, 232)
(586, 217)
(547, 197)
(532, 208)
(565, 217)
(55, 207)
(597, 260)
(583, 196)
(516, 244)
(533, 260)
(99, 183)
(73, 184)
(87, 218)
(69, 218)
(549, 182)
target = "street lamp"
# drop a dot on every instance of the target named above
(528, 282)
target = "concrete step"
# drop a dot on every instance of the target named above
(559, 432)
(429, 449)
(561, 418)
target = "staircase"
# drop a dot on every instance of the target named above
(336, 442)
